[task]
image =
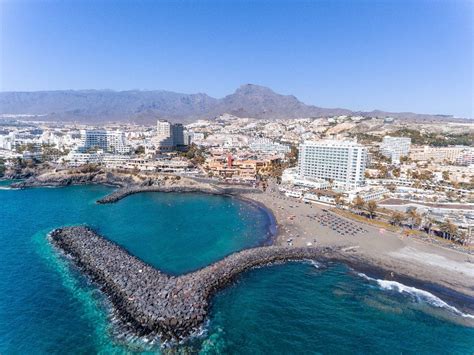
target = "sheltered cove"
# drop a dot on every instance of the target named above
(152, 301)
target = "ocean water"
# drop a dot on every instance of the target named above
(48, 307)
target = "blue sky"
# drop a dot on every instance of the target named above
(391, 55)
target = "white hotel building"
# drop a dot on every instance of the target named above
(109, 141)
(342, 162)
(395, 148)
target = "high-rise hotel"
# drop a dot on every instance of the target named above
(341, 162)
(169, 136)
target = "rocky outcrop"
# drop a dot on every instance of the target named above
(156, 303)
(67, 179)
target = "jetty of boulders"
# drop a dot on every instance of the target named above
(206, 189)
(152, 302)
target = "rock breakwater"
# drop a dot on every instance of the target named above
(207, 189)
(153, 302)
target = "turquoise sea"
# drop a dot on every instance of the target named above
(295, 308)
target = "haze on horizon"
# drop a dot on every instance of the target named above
(362, 55)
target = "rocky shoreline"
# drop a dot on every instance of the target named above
(153, 302)
(57, 180)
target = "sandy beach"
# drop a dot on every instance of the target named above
(393, 255)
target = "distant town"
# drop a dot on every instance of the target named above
(418, 177)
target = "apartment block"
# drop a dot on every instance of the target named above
(340, 162)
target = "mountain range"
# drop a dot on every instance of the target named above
(99, 106)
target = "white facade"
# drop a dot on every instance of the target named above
(438, 154)
(78, 159)
(266, 145)
(466, 158)
(342, 162)
(395, 147)
(164, 135)
(109, 141)
(369, 193)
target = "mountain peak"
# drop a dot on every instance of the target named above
(248, 89)
(249, 100)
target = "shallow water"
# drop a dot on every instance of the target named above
(295, 308)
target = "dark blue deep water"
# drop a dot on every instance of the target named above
(46, 307)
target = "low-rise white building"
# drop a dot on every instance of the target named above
(268, 146)
(108, 141)
(369, 194)
(438, 154)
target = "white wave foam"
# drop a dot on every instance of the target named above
(364, 276)
(417, 294)
(421, 295)
(315, 264)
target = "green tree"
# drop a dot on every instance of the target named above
(464, 238)
(358, 203)
(428, 224)
(415, 218)
(140, 150)
(397, 218)
(396, 172)
(292, 156)
(392, 187)
(383, 172)
(195, 154)
(449, 229)
(371, 208)
(339, 200)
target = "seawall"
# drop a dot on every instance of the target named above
(154, 302)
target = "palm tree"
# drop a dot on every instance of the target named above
(445, 175)
(428, 224)
(463, 238)
(372, 208)
(449, 229)
(339, 200)
(450, 194)
(358, 203)
(391, 188)
(415, 218)
(397, 218)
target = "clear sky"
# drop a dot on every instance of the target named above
(391, 55)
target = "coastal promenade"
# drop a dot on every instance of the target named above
(153, 302)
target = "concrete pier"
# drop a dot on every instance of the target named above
(156, 303)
